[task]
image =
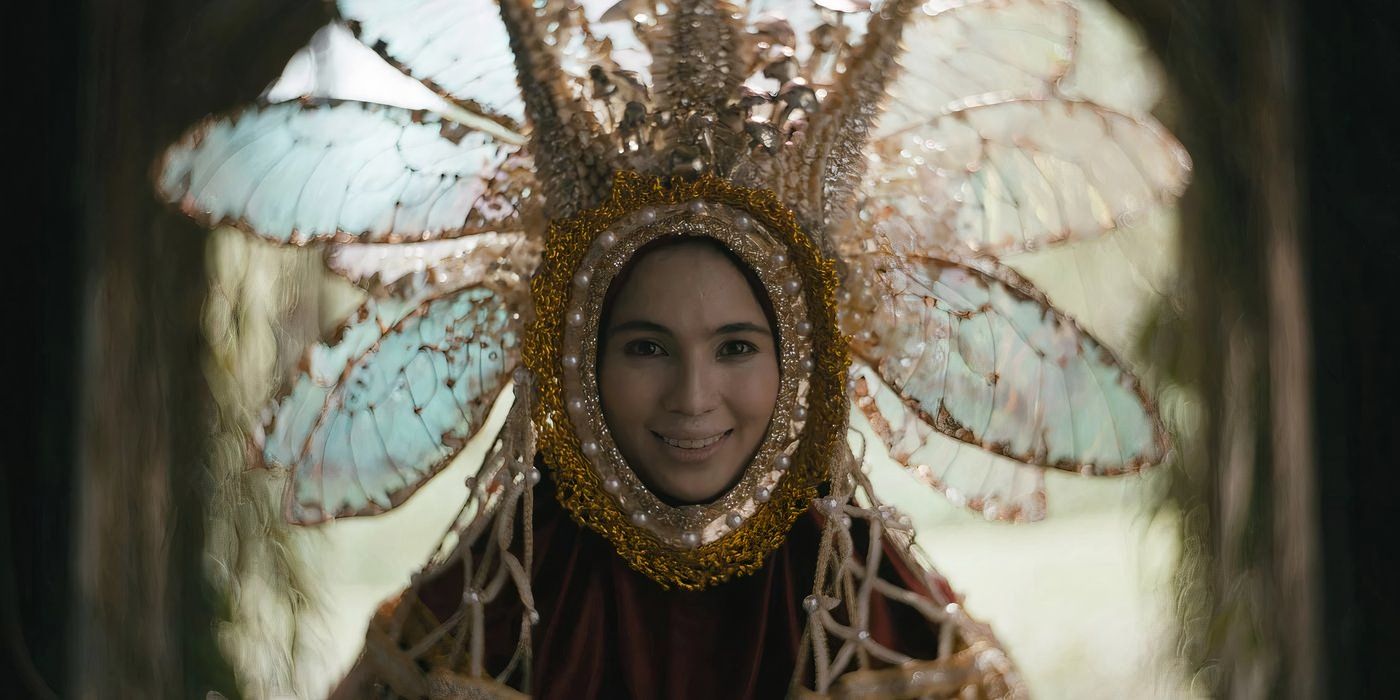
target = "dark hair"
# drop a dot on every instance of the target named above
(760, 293)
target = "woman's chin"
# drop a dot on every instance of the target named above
(692, 493)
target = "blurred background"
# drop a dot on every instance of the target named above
(143, 560)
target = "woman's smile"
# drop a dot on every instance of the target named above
(693, 449)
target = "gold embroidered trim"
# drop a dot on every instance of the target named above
(743, 550)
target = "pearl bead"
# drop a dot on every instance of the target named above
(696, 206)
(611, 485)
(743, 222)
(582, 278)
(533, 476)
(863, 635)
(799, 412)
(647, 215)
(779, 259)
(792, 286)
(576, 405)
(804, 328)
(845, 521)
(810, 603)
(734, 520)
(783, 462)
(471, 596)
(639, 518)
(575, 318)
(571, 361)
(690, 539)
(808, 365)
(533, 617)
(607, 240)
(762, 495)
(828, 505)
(590, 448)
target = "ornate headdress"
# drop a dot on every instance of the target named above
(870, 165)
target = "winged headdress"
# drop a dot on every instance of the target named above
(871, 164)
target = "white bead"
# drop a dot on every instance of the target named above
(582, 278)
(533, 617)
(571, 361)
(647, 215)
(743, 222)
(804, 328)
(575, 318)
(783, 462)
(690, 539)
(863, 635)
(762, 494)
(799, 412)
(471, 596)
(533, 476)
(808, 365)
(611, 485)
(792, 286)
(696, 206)
(639, 518)
(590, 448)
(576, 405)
(779, 259)
(810, 603)
(734, 520)
(607, 240)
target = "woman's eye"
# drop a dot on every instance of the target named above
(643, 348)
(737, 347)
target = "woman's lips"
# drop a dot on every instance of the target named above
(692, 449)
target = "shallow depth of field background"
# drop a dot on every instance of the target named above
(1084, 601)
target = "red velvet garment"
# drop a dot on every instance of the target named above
(607, 631)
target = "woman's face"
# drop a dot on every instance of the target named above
(689, 372)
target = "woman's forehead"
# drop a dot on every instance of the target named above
(686, 284)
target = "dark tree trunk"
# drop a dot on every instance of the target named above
(1288, 245)
(105, 515)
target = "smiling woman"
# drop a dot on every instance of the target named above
(688, 371)
(680, 253)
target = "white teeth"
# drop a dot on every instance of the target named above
(692, 444)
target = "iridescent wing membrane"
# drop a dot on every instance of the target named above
(315, 170)
(390, 401)
(422, 211)
(979, 156)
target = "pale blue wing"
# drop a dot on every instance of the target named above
(981, 355)
(388, 403)
(1006, 177)
(436, 267)
(458, 48)
(311, 170)
(956, 51)
(997, 487)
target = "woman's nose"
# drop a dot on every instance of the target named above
(693, 393)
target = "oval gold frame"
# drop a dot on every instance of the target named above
(721, 548)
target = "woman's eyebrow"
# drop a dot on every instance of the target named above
(742, 327)
(640, 325)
